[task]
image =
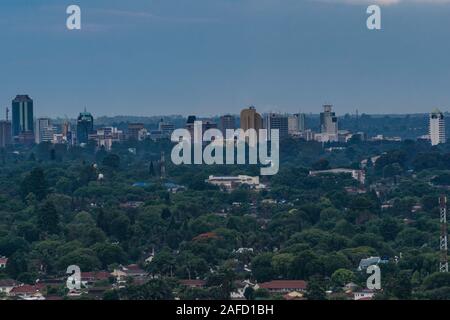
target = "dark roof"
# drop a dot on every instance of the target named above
(193, 282)
(22, 98)
(8, 283)
(97, 275)
(284, 284)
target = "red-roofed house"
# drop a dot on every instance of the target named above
(95, 276)
(6, 285)
(284, 286)
(206, 236)
(28, 292)
(364, 294)
(3, 262)
(194, 283)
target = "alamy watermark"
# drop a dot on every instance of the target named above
(198, 147)
(73, 21)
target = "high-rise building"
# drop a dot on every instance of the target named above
(437, 127)
(134, 130)
(250, 119)
(328, 120)
(276, 121)
(44, 130)
(5, 133)
(227, 122)
(22, 115)
(296, 123)
(328, 125)
(166, 128)
(85, 127)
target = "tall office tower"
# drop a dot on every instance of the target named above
(276, 121)
(166, 128)
(85, 127)
(22, 115)
(437, 127)
(44, 130)
(328, 121)
(296, 123)
(5, 133)
(227, 122)
(250, 119)
(134, 130)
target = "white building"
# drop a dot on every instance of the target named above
(44, 130)
(233, 182)
(296, 123)
(328, 124)
(437, 127)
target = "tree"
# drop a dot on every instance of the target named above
(316, 288)
(341, 277)
(262, 267)
(36, 183)
(48, 218)
(321, 164)
(155, 289)
(112, 161)
(17, 264)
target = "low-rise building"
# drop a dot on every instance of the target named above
(232, 182)
(3, 262)
(6, 285)
(284, 286)
(358, 175)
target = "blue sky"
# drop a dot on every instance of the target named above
(209, 57)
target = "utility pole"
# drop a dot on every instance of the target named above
(443, 264)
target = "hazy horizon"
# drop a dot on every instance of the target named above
(212, 57)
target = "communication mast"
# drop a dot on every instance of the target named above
(443, 264)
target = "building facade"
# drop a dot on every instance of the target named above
(44, 130)
(227, 122)
(328, 124)
(437, 127)
(276, 121)
(22, 115)
(250, 119)
(85, 127)
(5, 133)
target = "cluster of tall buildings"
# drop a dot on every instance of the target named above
(23, 129)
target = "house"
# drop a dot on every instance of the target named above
(6, 285)
(284, 286)
(193, 283)
(350, 287)
(294, 295)
(28, 292)
(130, 271)
(88, 278)
(240, 286)
(365, 294)
(3, 261)
(365, 263)
(206, 236)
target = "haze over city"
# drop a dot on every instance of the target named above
(214, 57)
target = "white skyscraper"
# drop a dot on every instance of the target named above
(437, 127)
(44, 130)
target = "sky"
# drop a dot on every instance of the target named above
(211, 57)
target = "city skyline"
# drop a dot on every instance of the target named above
(204, 57)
